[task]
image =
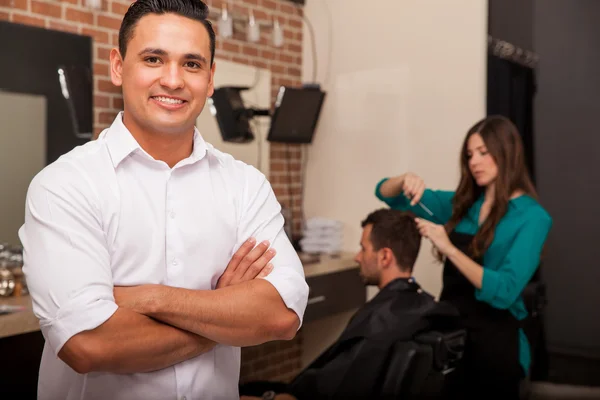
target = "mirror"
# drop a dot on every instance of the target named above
(22, 156)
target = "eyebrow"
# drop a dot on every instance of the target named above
(161, 52)
(478, 148)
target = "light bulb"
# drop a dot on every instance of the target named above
(253, 34)
(277, 33)
(225, 24)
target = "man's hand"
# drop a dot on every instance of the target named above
(247, 263)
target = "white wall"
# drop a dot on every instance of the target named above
(405, 79)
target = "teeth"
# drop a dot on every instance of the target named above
(168, 100)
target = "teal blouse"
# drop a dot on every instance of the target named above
(511, 259)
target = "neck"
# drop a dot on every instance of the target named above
(490, 192)
(169, 148)
(392, 274)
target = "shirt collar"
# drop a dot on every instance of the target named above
(121, 143)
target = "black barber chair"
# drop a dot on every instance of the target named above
(418, 369)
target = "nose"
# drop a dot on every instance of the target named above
(473, 161)
(172, 77)
(357, 258)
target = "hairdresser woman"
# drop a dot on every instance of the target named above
(490, 233)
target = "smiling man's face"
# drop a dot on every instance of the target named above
(166, 74)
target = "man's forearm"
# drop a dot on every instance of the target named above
(246, 314)
(129, 342)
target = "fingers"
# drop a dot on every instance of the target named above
(259, 265)
(413, 188)
(239, 255)
(265, 271)
(419, 190)
(425, 227)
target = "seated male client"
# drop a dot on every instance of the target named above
(353, 366)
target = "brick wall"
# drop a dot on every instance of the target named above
(279, 360)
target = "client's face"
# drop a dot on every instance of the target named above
(367, 259)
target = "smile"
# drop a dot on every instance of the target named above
(168, 100)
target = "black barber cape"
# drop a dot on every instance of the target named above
(354, 365)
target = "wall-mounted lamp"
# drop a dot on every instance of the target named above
(253, 29)
(277, 33)
(229, 22)
(225, 23)
(95, 4)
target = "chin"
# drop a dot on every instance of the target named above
(483, 181)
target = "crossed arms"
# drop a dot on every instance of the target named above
(158, 326)
(93, 326)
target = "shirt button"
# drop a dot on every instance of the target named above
(174, 262)
(172, 215)
(184, 398)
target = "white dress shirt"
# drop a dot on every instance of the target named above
(108, 214)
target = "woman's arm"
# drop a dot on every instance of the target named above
(406, 191)
(501, 287)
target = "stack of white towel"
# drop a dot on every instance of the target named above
(322, 235)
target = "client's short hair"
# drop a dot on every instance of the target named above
(398, 231)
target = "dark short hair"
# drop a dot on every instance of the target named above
(396, 230)
(193, 9)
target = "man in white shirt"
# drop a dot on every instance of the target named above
(129, 239)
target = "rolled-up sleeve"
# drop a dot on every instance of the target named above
(66, 260)
(261, 218)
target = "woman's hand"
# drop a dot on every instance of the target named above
(437, 235)
(413, 187)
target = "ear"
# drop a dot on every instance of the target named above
(211, 82)
(385, 257)
(116, 67)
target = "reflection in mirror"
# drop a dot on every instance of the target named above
(22, 156)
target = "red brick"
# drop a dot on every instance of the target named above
(294, 48)
(3, 16)
(295, 22)
(251, 51)
(294, 71)
(118, 8)
(261, 15)
(14, 4)
(101, 101)
(228, 46)
(84, 17)
(102, 54)
(115, 39)
(285, 58)
(25, 19)
(107, 117)
(106, 86)
(289, 34)
(109, 22)
(75, 2)
(278, 69)
(47, 9)
(259, 64)
(101, 69)
(288, 9)
(269, 4)
(241, 60)
(59, 26)
(117, 103)
(98, 35)
(267, 54)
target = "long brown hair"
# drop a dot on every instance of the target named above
(504, 144)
